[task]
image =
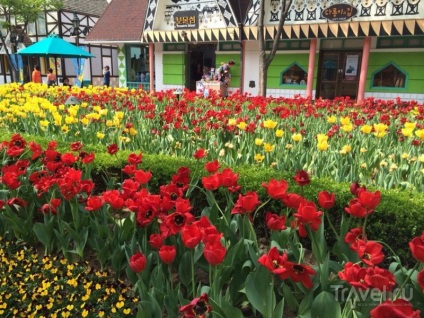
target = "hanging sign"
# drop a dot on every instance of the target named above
(339, 12)
(186, 19)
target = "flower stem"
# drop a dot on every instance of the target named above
(406, 280)
(192, 274)
(331, 225)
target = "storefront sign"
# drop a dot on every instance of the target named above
(186, 20)
(339, 12)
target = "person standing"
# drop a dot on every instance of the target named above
(51, 77)
(106, 76)
(36, 75)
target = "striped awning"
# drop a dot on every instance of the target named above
(194, 35)
(291, 31)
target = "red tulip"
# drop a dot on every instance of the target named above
(212, 166)
(356, 209)
(354, 274)
(246, 204)
(380, 278)
(307, 214)
(398, 308)
(197, 308)
(138, 262)
(211, 182)
(276, 189)
(214, 253)
(326, 200)
(275, 222)
(420, 279)
(112, 149)
(167, 253)
(417, 247)
(302, 178)
(155, 241)
(370, 200)
(134, 159)
(199, 154)
(370, 252)
(191, 235)
(94, 203)
(142, 177)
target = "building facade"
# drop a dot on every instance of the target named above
(355, 48)
(61, 23)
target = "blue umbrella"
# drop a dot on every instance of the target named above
(54, 46)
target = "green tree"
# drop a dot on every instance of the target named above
(17, 15)
(264, 58)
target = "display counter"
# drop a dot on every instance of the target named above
(205, 88)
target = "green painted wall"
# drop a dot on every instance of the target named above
(235, 69)
(174, 69)
(412, 63)
(283, 61)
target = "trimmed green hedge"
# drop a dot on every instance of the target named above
(397, 219)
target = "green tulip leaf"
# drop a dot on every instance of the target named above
(325, 305)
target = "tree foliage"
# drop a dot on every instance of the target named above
(264, 58)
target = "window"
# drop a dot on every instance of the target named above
(289, 45)
(389, 76)
(294, 75)
(400, 42)
(230, 46)
(137, 58)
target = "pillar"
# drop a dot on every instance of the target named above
(152, 66)
(311, 67)
(364, 69)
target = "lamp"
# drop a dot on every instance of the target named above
(75, 31)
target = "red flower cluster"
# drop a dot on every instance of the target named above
(368, 277)
(227, 178)
(284, 269)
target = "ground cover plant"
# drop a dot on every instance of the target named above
(183, 258)
(376, 143)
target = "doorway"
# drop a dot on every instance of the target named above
(338, 74)
(201, 61)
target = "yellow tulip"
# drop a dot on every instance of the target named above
(44, 123)
(133, 131)
(347, 128)
(420, 133)
(297, 137)
(258, 141)
(366, 129)
(410, 125)
(407, 132)
(259, 158)
(268, 147)
(331, 119)
(109, 123)
(404, 155)
(279, 133)
(232, 122)
(242, 125)
(270, 124)
(322, 137)
(345, 121)
(100, 135)
(323, 145)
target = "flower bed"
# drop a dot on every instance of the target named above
(211, 262)
(376, 143)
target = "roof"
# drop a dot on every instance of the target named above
(90, 7)
(122, 21)
(240, 9)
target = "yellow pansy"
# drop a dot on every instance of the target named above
(297, 137)
(279, 133)
(270, 124)
(258, 141)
